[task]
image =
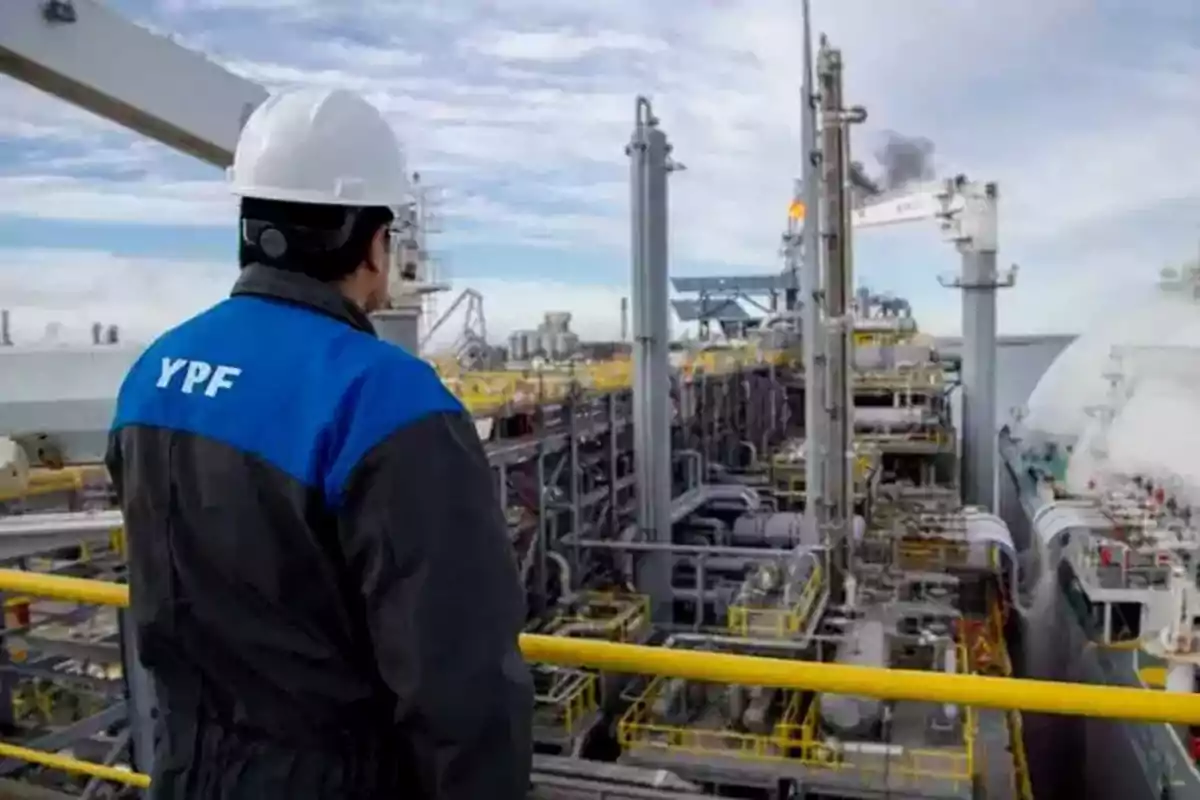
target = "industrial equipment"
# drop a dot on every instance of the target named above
(671, 499)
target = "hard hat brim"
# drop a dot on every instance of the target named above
(314, 198)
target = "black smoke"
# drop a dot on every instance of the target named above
(905, 160)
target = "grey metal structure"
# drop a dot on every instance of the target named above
(837, 499)
(650, 165)
(967, 213)
(976, 239)
(815, 428)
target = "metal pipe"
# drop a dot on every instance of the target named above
(564, 572)
(686, 633)
(763, 554)
(795, 645)
(81, 523)
(1049, 697)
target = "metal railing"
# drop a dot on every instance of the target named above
(487, 393)
(639, 727)
(615, 616)
(780, 621)
(1138, 705)
(569, 700)
(955, 765)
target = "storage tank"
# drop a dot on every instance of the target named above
(857, 717)
(566, 344)
(518, 346)
(545, 343)
(557, 321)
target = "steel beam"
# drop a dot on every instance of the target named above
(90, 56)
(27, 535)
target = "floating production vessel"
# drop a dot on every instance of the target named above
(762, 564)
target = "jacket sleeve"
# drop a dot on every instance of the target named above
(423, 532)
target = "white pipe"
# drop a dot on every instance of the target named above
(564, 572)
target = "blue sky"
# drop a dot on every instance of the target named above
(1087, 112)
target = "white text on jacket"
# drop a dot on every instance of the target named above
(215, 378)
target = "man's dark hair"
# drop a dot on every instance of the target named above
(325, 242)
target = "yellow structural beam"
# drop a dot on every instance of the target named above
(1141, 705)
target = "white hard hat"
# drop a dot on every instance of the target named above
(325, 146)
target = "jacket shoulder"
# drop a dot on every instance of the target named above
(278, 382)
(391, 391)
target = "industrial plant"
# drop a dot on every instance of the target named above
(771, 561)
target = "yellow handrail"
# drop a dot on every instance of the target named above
(1050, 697)
(74, 765)
(971, 690)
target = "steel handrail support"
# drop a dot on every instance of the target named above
(1138, 705)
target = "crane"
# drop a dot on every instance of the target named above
(967, 213)
(161, 89)
(86, 54)
(83, 53)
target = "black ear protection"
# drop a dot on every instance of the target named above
(275, 242)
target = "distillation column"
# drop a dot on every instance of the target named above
(815, 428)
(839, 314)
(650, 164)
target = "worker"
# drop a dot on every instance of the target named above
(322, 586)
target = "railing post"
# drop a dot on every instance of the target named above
(7, 676)
(139, 695)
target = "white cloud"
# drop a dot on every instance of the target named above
(559, 45)
(523, 117)
(72, 289)
(144, 201)
(76, 288)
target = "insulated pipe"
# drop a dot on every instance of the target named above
(1048, 697)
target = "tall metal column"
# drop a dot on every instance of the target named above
(839, 316)
(815, 433)
(650, 164)
(976, 235)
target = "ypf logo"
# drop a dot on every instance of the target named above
(196, 373)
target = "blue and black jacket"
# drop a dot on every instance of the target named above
(322, 584)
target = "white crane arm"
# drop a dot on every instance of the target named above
(928, 201)
(81, 52)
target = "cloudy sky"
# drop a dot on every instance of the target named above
(1087, 112)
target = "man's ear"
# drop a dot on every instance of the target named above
(379, 245)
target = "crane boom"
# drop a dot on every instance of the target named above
(927, 201)
(81, 52)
